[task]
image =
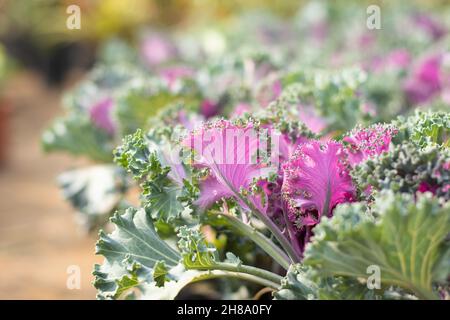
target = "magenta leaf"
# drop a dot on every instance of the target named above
(230, 153)
(101, 116)
(425, 81)
(315, 181)
(157, 49)
(363, 143)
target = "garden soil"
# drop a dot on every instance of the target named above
(39, 237)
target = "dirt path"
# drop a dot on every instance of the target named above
(39, 237)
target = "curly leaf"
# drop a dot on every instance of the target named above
(363, 143)
(406, 241)
(161, 186)
(139, 264)
(333, 96)
(315, 181)
(133, 155)
(160, 273)
(296, 285)
(304, 283)
(425, 128)
(232, 168)
(407, 168)
(139, 103)
(162, 200)
(196, 252)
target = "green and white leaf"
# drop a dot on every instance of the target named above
(297, 285)
(144, 99)
(139, 264)
(144, 159)
(131, 253)
(95, 191)
(199, 255)
(424, 129)
(404, 238)
(333, 95)
(305, 283)
(77, 135)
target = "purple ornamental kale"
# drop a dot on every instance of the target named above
(101, 115)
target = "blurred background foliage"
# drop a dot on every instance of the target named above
(34, 32)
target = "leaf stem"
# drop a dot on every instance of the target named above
(295, 257)
(261, 276)
(213, 274)
(425, 294)
(257, 237)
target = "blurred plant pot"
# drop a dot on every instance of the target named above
(4, 129)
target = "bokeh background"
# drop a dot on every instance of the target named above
(40, 59)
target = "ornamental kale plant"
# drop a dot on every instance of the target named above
(323, 209)
(311, 171)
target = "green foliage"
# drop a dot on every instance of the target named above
(283, 119)
(424, 128)
(96, 192)
(134, 254)
(134, 156)
(146, 99)
(105, 80)
(199, 255)
(76, 133)
(78, 136)
(161, 197)
(160, 192)
(304, 283)
(196, 252)
(344, 288)
(404, 238)
(332, 94)
(138, 263)
(405, 169)
(160, 273)
(385, 94)
(297, 285)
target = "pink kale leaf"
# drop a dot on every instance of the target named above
(230, 153)
(363, 143)
(315, 181)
